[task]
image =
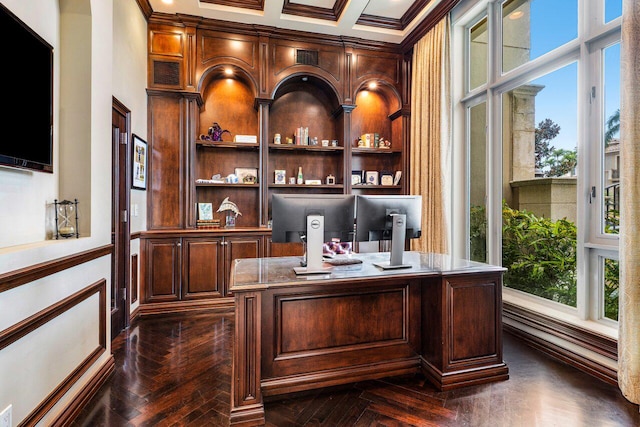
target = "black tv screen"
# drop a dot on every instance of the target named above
(27, 120)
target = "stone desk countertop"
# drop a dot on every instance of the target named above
(263, 273)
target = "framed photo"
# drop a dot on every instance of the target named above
(356, 177)
(386, 178)
(139, 163)
(280, 176)
(205, 211)
(396, 178)
(371, 177)
(247, 175)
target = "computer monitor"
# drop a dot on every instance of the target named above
(312, 219)
(393, 217)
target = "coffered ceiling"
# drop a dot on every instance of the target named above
(380, 20)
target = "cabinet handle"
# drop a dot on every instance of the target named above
(178, 244)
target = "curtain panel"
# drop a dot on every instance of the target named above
(431, 134)
(629, 296)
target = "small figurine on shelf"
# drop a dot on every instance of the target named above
(384, 143)
(216, 132)
(232, 212)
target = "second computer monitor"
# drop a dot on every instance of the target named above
(393, 217)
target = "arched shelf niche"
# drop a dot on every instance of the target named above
(377, 103)
(228, 94)
(306, 101)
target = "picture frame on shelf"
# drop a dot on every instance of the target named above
(247, 175)
(205, 211)
(356, 177)
(386, 178)
(139, 163)
(396, 178)
(372, 178)
(280, 176)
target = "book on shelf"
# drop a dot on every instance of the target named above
(250, 139)
(208, 223)
(301, 135)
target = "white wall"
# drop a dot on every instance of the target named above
(33, 366)
(129, 87)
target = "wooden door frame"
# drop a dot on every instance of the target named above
(121, 229)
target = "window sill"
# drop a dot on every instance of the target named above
(558, 312)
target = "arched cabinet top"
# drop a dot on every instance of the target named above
(227, 71)
(301, 81)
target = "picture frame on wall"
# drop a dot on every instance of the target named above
(139, 163)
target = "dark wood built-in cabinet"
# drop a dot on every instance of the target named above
(191, 268)
(280, 81)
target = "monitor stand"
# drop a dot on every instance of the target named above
(398, 235)
(313, 249)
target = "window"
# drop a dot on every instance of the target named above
(477, 120)
(478, 54)
(539, 139)
(612, 9)
(540, 126)
(531, 28)
(610, 146)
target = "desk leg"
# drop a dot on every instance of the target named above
(247, 408)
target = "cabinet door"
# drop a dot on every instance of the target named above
(283, 249)
(474, 329)
(162, 270)
(240, 247)
(203, 268)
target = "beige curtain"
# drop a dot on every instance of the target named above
(629, 300)
(431, 135)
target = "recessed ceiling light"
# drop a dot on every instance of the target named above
(228, 71)
(304, 79)
(167, 1)
(373, 85)
(516, 15)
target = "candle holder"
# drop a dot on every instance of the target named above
(66, 218)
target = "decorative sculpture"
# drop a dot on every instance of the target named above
(215, 133)
(232, 212)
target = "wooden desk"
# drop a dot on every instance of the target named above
(292, 333)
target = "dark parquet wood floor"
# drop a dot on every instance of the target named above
(175, 371)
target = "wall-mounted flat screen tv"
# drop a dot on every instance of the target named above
(26, 139)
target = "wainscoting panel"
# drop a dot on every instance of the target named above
(55, 351)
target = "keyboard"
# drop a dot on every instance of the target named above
(343, 261)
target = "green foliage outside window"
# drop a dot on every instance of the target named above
(478, 234)
(540, 256)
(611, 277)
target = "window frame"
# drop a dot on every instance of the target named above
(593, 33)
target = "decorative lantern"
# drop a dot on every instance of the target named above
(66, 218)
